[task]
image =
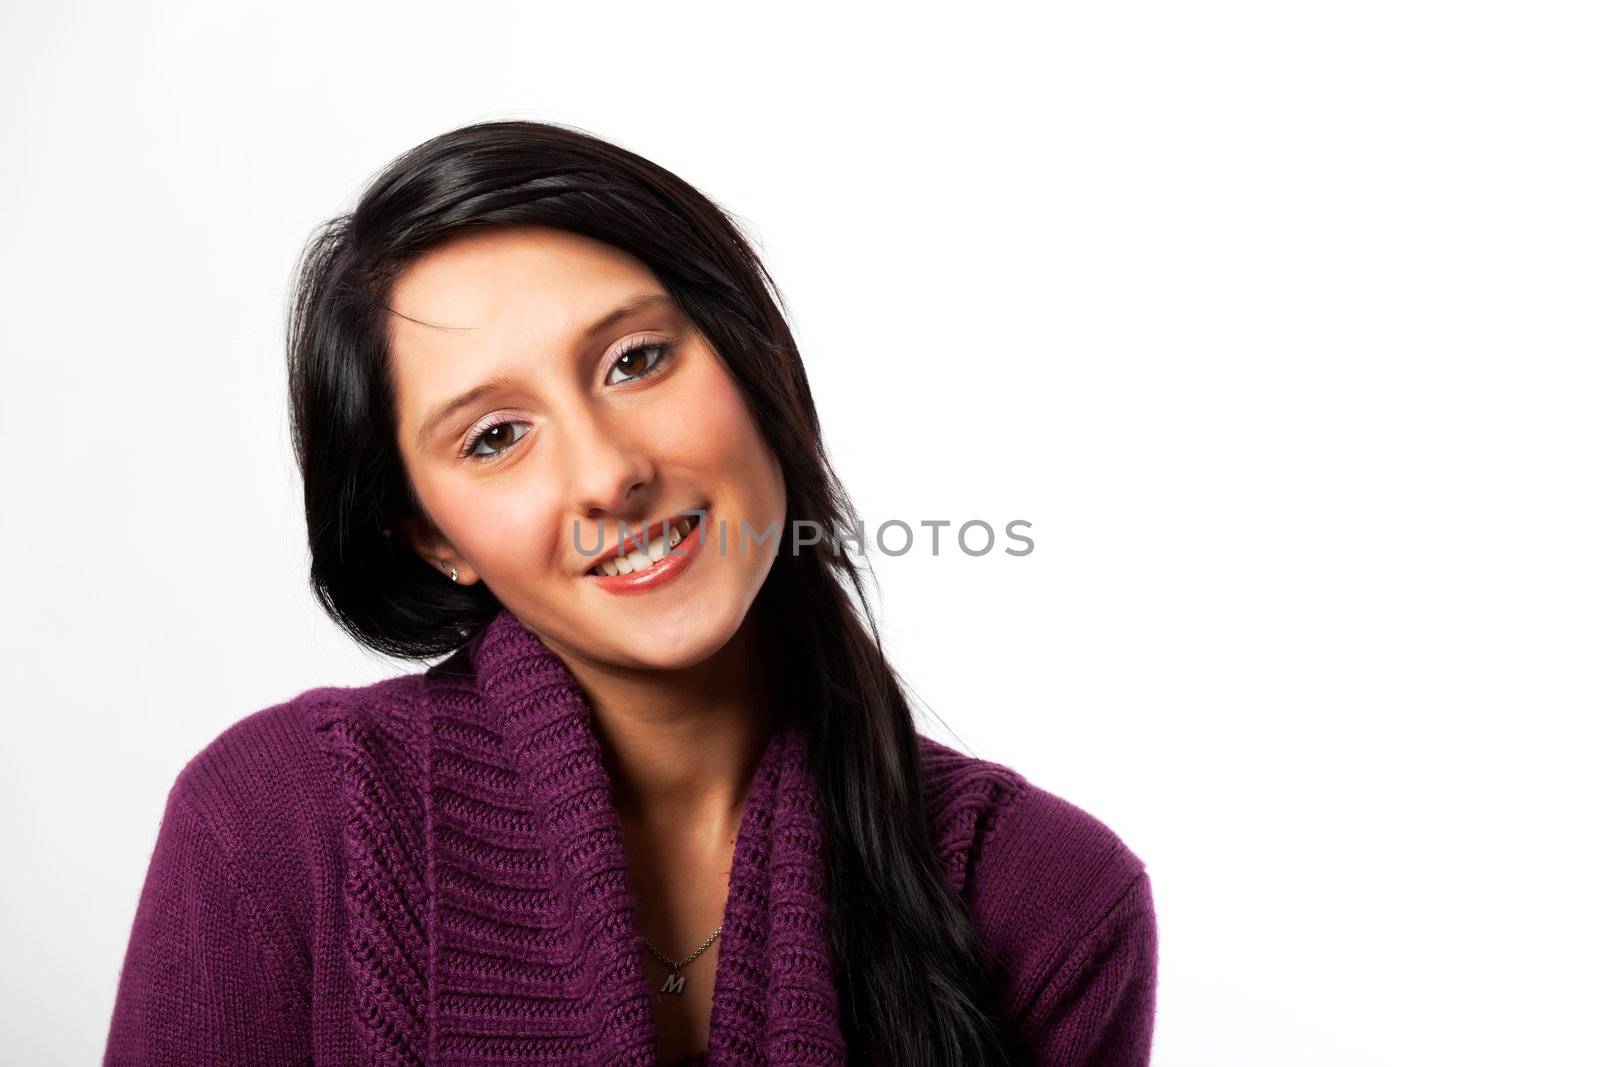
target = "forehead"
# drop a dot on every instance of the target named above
(506, 303)
(536, 282)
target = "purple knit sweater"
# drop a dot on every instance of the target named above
(429, 870)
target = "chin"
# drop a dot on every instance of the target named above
(674, 644)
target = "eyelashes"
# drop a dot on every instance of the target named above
(662, 349)
(659, 347)
(469, 450)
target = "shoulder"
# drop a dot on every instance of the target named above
(266, 794)
(963, 795)
(264, 762)
(1041, 873)
(992, 818)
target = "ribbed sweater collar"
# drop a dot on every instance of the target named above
(528, 926)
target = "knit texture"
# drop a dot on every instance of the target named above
(430, 870)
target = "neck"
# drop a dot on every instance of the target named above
(681, 746)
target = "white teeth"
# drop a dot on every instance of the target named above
(640, 559)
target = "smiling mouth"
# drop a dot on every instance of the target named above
(639, 560)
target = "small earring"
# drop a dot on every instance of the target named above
(454, 575)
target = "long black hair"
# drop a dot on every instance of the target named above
(914, 985)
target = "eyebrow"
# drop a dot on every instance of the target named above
(443, 411)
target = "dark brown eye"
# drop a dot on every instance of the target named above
(634, 364)
(499, 433)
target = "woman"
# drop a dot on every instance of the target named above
(663, 799)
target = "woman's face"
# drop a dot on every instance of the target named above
(586, 418)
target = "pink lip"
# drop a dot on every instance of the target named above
(669, 567)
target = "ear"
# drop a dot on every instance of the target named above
(434, 548)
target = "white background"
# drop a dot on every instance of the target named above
(1277, 320)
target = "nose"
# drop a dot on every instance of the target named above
(609, 469)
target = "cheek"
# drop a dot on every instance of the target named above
(732, 444)
(499, 523)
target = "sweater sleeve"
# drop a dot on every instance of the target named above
(1097, 1008)
(199, 983)
(1065, 908)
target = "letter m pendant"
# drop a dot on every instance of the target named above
(673, 984)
